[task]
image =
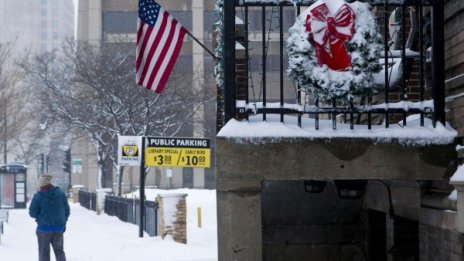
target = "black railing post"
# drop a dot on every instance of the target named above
(229, 60)
(438, 61)
(247, 58)
(422, 60)
(264, 53)
(281, 59)
(298, 12)
(142, 189)
(386, 51)
(404, 87)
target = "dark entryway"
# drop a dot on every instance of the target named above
(302, 226)
(405, 239)
(377, 236)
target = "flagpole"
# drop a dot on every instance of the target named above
(202, 45)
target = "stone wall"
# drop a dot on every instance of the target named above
(244, 165)
(439, 234)
(179, 232)
(440, 244)
(172, 216)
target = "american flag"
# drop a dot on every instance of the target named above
(159, 40)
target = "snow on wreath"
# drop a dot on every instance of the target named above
(334, 50)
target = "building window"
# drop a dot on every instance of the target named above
(255, 16)
(209, 19)
(184, 17)
(119, 22)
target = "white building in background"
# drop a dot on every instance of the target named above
(36, 25)
(33, 27)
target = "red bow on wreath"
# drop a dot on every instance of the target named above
(334, 31)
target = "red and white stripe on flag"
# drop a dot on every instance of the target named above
(159, 40)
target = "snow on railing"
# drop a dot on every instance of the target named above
(255, 107)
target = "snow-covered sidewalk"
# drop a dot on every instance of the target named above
(103, 238)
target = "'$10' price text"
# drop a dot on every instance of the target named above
(167, 157)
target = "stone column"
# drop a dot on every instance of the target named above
(90, 21)
(179, 232)
(198, 81)
(172, 216)
(459, 186)
(101, 195)
(457, 180)
(239, 224)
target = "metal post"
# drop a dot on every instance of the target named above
(263, 24)
(421, 67)
(247, 58)
(229, 60)
(1, 190)
(403, 60)
(142, 189)
(281, 54)
(298, 11)
(386, 47)
(5, 135)
(438, 61)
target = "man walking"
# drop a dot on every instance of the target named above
(50, 209)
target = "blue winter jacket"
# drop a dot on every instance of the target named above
(50, 209)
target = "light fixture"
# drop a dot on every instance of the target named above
(314, 186)
(350, 189)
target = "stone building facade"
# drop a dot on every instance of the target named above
(409, 209)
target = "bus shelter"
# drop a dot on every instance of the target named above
(13, 186)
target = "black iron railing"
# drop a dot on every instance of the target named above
(128, 210)
(88, 200)
(422, 65)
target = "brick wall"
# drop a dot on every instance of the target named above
(454, 63)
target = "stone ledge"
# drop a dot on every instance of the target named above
(240, 162)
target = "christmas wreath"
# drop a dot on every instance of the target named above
(334, 50)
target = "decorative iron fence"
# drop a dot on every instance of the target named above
(4, 214)
(127, 210)
(88, 200)
(412, 60)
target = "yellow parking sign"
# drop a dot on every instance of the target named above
(177, 152)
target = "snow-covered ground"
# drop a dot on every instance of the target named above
(90, 237)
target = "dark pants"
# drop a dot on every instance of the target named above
(53, 238)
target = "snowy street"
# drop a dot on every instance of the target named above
(90, 237)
